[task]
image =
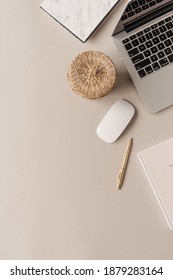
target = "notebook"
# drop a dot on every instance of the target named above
(81, 17)
(144, 39)
(157, 163)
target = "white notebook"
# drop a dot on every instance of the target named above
(81, 17)
(157, 163)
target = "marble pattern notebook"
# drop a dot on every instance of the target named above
(81, 17)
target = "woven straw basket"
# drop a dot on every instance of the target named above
(92, 74)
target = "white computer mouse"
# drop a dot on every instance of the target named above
(115, 121)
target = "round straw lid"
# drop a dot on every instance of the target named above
(92, 74)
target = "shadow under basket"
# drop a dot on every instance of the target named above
(92, 74)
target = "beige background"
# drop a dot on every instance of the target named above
(58, 196)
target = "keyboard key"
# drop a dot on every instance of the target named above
(154, 50)
(135, 5)
(142, 39)
(161, 54)
(169, 25)
(162, 37)
(124, 17)
(147, 53)
(169, 33)
(130, 14)
(142, 47)
(142, 2)
(128, 46)
(163, 62)
(125, 41)
(137, 58)
(142, 73)
(152, 3)
(140, 33)
(149, 69)
(149, 35)
(170, 58)
(156, 32)
(132, 37)
(149, 44)
(156, 66)
(135, 43)
(156, 41)
(161, 22)
(129, 8)
(168, 43)
(154, 58)
(167, 51)
(168, 19)
(138, 10)
(133, 52)
(160, 46)
(162, 29)
(147, 29)
(142, 64)
(144, 7)
(154, 26)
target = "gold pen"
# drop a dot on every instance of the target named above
(122, 171)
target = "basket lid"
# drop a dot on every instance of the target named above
(92, 74)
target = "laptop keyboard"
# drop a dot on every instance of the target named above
(152, 48)
(137, 6)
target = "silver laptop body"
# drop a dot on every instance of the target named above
(144, 39)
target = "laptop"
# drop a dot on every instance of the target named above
(144, 39)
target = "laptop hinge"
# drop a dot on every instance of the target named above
(153, 15)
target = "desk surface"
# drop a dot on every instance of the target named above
(58, 179)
